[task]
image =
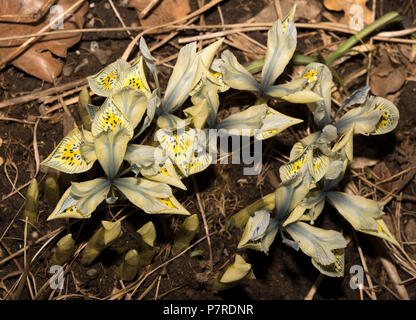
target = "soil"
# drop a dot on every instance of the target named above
(282, 274)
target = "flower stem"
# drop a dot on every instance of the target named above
(348, 44)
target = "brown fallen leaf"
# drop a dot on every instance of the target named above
(410, 229)
(383, 172)
(356, 14)
(41, 59)
(164, 11)
(251, 50)
(386, 78)
(24, 11)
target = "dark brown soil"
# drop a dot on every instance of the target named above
(283, 274)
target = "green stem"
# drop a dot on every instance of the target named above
(341, 83)
(262, 100)
(257, 65)
(302, 59)
(348, 44)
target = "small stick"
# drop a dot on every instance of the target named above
(16, 190)
(314, 288)
(35, 148)
(218, 34)
(398, 215)
(41, 94)
(149, 7)
(145, 292)
(119, 18)
(395, 176)
(189, 16)
(204, 219)
(14, 259)
(367, 274)
(136, 284)
(278, 9)
(336, 27)
(22, 280)
(169, 291)
(370, 54)
(395, 278)
(16, 120)
(170, 36)
(19, 252)
(157, 287)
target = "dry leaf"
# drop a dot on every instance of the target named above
(24, 11)
(362, 162)
(251, 50)
(410, 230)
(40, 60)
(382, 172)
(385, 78)
(165, 11)
(356, 14)
(382, 86)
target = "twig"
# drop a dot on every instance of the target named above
(169, 37)
(219, 34)
(22, 280)
(16, 120)
(157, 287)
(189, 16)
(19, 252)
(204, 219)
(336, 27)
(148, 8)
(367, 274)
(119, 18)
(145, 292)
(314, 288)
(14, 259)
(169, 291)
(41, 94)
(398, 216)
(370, 54)
(395, 278)
(35, 148)
(137, 284)
(278, 8)
(395, 176)
(398, 33)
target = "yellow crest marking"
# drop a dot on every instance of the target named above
(67, 155)
(108, 117)
(109, 80)
(311, 75)
(386, 119)
(168, 202)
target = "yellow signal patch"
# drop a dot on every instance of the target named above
(311, 75)
(67, 155)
